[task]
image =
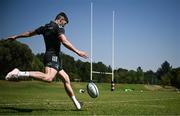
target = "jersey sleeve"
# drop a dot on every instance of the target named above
(61, 31)
(40, 30)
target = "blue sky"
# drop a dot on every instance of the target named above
(147, 32)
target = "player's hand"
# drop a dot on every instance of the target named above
(12, 38)
(82, 54)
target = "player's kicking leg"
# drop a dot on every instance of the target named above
(48, 76)
(69, 89)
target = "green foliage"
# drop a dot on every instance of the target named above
(140, 75)
(37, 64)
(68, 63)
(165, 73)
(14, 54)
(175, 81)
(150, 77)
(100, 67)
(40, 56)
(83, 69)
(121, 75)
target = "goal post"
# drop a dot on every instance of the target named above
(91, 60)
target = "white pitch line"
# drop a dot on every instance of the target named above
(65, 102)
(126, 101)
(149, 105)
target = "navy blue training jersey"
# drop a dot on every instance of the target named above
(50, 32)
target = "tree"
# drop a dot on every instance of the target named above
(165, 73)
(100, 67)
(14, 55)
(68, 63)
(178, 77)
(131, 77)
(175, 81)
(40, 56)
(140, 75)
(37, 64)
(150, 77)
(83, 69)
(120, 75)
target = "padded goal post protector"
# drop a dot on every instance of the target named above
(112, 85)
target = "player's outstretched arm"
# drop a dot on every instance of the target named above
(23, 35)
(68, 45)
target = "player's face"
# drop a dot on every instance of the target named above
(63, 22)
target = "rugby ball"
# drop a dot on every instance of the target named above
(92, 90)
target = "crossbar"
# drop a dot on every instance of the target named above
(107, 73)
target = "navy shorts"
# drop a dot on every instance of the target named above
(52, 60)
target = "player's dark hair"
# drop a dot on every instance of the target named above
(62, 14)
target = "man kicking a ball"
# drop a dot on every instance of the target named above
(54, 35)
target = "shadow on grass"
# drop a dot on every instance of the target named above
(29, 110)
(9, 109)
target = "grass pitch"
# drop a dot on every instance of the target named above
(38, 98)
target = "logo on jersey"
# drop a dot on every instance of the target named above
(54, 58)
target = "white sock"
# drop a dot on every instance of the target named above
(76, 103)
(23, 74)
